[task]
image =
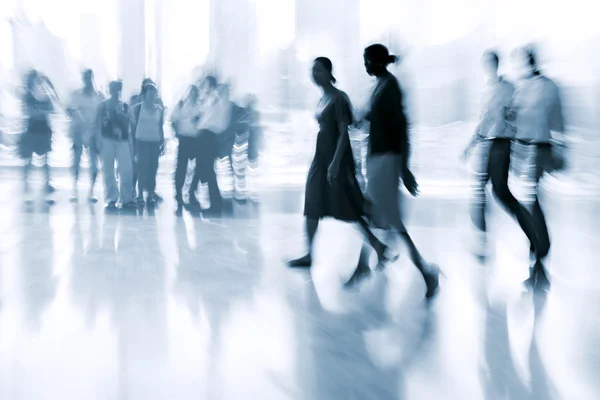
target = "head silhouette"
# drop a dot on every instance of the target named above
(115, 88)
(87, 77)
(149, 92)
(491, 61)
(322, 71)
(377, 57)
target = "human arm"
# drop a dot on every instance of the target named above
(556, 124)
(474, 141)
(161, 130)
(343, 116)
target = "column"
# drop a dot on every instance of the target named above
(132, 45)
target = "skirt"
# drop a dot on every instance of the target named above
(341, 199)
(38, 143)
(383, 191)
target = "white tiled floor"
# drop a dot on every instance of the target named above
(103, 306)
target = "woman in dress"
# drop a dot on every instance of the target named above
(37, 137)
(332, 189)
(388, 158)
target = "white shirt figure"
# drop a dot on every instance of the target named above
(216, 114)
(497, 97)
(85, 108)
(538, 110)
(185, 117)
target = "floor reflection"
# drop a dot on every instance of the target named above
(115, 306)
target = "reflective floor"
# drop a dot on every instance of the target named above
(105, 306)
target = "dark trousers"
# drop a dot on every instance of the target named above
(498, 167)
(543, 161)
(148, 154)
(187, 150)
(205, 167)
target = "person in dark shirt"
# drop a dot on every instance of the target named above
(113, 121)
(37, 137)
(388, 158)
(184, 121)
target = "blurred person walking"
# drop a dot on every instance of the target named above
(388, 160)
(331, 186)
(38, 105)
(253, 145)
(214, 120)
(493, 136)
(236, 129)
(184, 120)
(536, 112)
(149, 137)
(114, 123)
(84, 131)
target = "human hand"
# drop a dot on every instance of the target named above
(465, 155)
(333, 171)
(410, 183)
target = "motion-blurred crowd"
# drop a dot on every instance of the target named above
(127, 139)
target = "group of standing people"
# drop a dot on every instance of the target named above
(129, 136)
(128, 139)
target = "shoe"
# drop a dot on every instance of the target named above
(538, 278)
(193, 201)
(74, 197)
(481, 251)
(542, 283)
(92, 200)
(212, 212)
(130, 206)
(385, 258)
(50, 189)
(302, 262)
(111, 206)
(361, 274)
(432, 281)
(154, 199)
(140, 201)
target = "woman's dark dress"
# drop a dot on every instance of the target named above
(341, 199)
(37, 137)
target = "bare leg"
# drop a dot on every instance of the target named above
(49, 188)
(26, 170)
(363, 271)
